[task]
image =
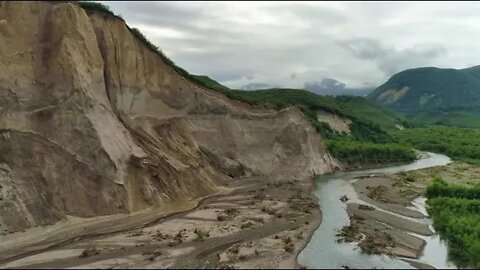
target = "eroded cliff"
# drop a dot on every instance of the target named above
(93, 123)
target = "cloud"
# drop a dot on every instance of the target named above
(391, 60)
(364, 48)
(288, 44)
(333, 87)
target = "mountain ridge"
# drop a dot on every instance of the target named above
(426, 91)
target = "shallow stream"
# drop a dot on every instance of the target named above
(324, 252)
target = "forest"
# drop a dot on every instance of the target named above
(365, 152)
(458, 143)
(455, 211)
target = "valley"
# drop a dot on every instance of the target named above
(112, 156)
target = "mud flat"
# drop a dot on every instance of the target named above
(261, 224)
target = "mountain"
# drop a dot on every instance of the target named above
(369, 111)
(333, 87)
(344, 107)
(97, 121)
(433, 95)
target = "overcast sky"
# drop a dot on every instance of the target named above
(290, 43)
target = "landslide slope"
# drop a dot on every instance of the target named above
(93, 122)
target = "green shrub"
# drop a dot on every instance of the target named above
(88, 5)
(455, 212)
(458, 143)
(364, 152)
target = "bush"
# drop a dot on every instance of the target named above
(458, 143)
(441, 189)
(88, 5)
(455, 211)
(364, 152)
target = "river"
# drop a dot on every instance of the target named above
(324, 252)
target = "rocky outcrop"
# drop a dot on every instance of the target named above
(94, 123)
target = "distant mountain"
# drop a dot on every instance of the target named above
(333, 87)
(433, 95)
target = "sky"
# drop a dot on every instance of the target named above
(289, 44)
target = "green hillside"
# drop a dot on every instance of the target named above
(461, 118)
(424, 89)
(366, 109)
(458, 143)
(433, 95)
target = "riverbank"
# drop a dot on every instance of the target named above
(387, 219)
(263, 223)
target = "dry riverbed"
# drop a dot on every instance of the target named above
(262, 224)
(381, 232)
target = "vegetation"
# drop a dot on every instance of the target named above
(430, 88)
(355, 151)
(367, 143)
(88, 5)
(310, 103)
(366, 109)
(440, 188)
(209, 83)
(458, 143)
(456, 215)
(462, 118)
(433, 95)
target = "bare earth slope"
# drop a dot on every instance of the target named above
(93, 123)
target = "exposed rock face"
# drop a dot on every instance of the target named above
(94, 123)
